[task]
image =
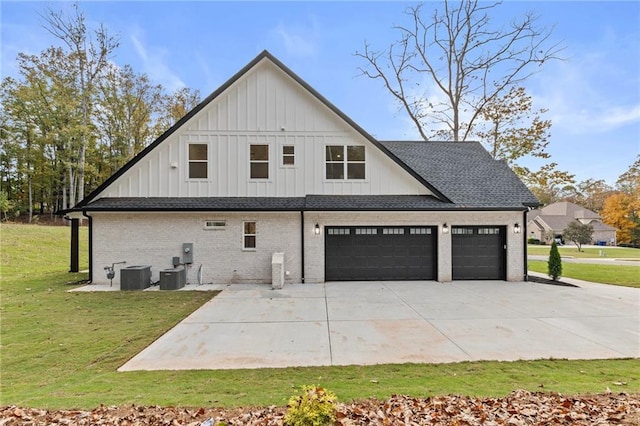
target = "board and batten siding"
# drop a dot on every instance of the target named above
(264, 106)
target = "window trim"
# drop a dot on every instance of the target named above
(283, 155)
(245, 235)
(190, 161)
(251, 161)
(345, 163)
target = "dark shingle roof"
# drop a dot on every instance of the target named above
(465, 173)
(196, 204)
(308, 203)
(375, 202)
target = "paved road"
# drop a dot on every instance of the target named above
(593, 260)
(252, 326)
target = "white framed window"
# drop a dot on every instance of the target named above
(249, 234)
(345, 162)
(259, 161)
(288, 155)
(198, 160)
(215, 225)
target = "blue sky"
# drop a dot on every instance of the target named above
(593, 97)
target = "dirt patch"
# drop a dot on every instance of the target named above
(519, 408)
(541, 280)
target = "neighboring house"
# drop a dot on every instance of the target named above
(550, 221)
(265, 164)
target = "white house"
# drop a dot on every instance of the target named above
(266, 165)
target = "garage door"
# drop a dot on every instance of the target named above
(380, 253)
(478, 252)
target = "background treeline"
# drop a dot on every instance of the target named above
(72, 117)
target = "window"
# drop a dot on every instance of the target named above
(420, 231)
(288, 155)
(219, 225)
(249, 235)
(462, 231)
(339, 165)
(366, 231)
(198, 161)
(392, 231)
(489, 231)
(339, 231)
(259, 161)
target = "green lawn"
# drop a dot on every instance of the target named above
(61, 350)
(608, 274)
(571, 250)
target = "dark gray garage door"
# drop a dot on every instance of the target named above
(478, 252)
(380, 253)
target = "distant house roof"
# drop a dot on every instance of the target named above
(557, 216)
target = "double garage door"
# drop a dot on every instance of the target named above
(410, 253)
(380, 253)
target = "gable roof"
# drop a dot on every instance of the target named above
(465, 173)
(262, 56)
(557, 216)
(460, 175)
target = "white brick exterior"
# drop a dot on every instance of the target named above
(154, 238)
(314, 244)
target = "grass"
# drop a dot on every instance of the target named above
(623, 275)
(588, 252)
(61, 350)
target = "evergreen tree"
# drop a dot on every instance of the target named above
(555, 262)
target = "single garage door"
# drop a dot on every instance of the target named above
(380, 253)
(478, 252)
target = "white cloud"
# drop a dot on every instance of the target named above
(154, 63)
(298, 41)
(594, 91)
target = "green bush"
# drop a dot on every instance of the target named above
(315, 407)
(555, 262)
(533, 241)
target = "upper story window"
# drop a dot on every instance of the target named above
(288, 155)
(259, 161)
(198, 160)
(345, 162)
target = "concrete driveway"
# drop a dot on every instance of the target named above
(342, 323)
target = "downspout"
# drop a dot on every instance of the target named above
(302, 245)
(524, 244)
(90, 220)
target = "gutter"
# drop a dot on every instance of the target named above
(524, 244)
(302, 246)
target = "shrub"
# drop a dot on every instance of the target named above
(315, 407)
(533, 241)
(555, 262)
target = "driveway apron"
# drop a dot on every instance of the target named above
(365, 323)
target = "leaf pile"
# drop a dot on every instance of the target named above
(520, 408)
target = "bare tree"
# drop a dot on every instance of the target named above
(468, 62)
(91, 53)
